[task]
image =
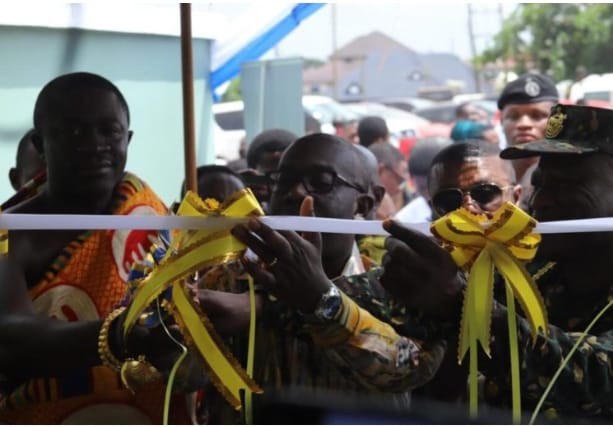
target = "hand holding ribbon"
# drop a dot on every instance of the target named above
(292, 268)
(421, 273)
(189, 252)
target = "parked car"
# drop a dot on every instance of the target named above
(596, 91)
(229, 127)
(600, 92)
(442, 112)
(327, 111)
(404, 127)
(407, 104)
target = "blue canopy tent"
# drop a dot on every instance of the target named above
(259, 45)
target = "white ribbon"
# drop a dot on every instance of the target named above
(296, 223)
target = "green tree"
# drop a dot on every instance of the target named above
(234, 91)
(312, 63)
(555, 38)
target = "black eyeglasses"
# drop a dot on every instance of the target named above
(487, 196)
(314, 182)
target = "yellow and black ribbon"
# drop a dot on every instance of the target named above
(480, 245)
(192, 251)
(4, 241)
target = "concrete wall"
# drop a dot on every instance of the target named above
(146, 68)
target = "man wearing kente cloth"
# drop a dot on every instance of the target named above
(60, 340)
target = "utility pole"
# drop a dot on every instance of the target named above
(481, 17)
(505, 67)
(333, 59)
(473, 47)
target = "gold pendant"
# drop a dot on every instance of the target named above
(136, 373)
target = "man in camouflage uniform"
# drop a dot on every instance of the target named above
(573, 181)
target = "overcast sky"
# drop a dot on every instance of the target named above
(424, 27)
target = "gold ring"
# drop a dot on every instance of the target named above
(273, 262)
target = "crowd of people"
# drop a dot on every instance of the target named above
(365, 318)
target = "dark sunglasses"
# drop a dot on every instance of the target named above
(487, 196)
(314, 182)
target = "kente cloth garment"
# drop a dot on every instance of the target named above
(85, 283)
(584, 391)
(356, 354)
(30, 189)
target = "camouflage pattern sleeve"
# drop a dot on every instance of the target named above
(372, 352)
(585, 386)
(374, 341)
(368, 293)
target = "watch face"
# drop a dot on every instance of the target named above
(332, 307)
(329, 304)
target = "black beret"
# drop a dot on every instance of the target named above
(571, 129)
(528, 88)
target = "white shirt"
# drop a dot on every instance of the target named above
(354, 264)
(417, 210)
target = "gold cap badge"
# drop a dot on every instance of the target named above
(555, 124)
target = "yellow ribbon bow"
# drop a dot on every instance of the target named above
(478, 245)
(191, 251)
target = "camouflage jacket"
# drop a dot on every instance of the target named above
(584, 390)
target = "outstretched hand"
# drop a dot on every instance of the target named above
(420, 273)
(290, 263)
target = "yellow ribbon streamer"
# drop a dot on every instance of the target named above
(188, 252)
(173, 370)
(224, 370)
(4, 241)
(479, 245)
(250, 351)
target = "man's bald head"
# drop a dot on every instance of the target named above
(324, 147)
(331, 171)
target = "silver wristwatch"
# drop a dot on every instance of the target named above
(329, 304)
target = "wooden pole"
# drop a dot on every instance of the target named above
(187, 65)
